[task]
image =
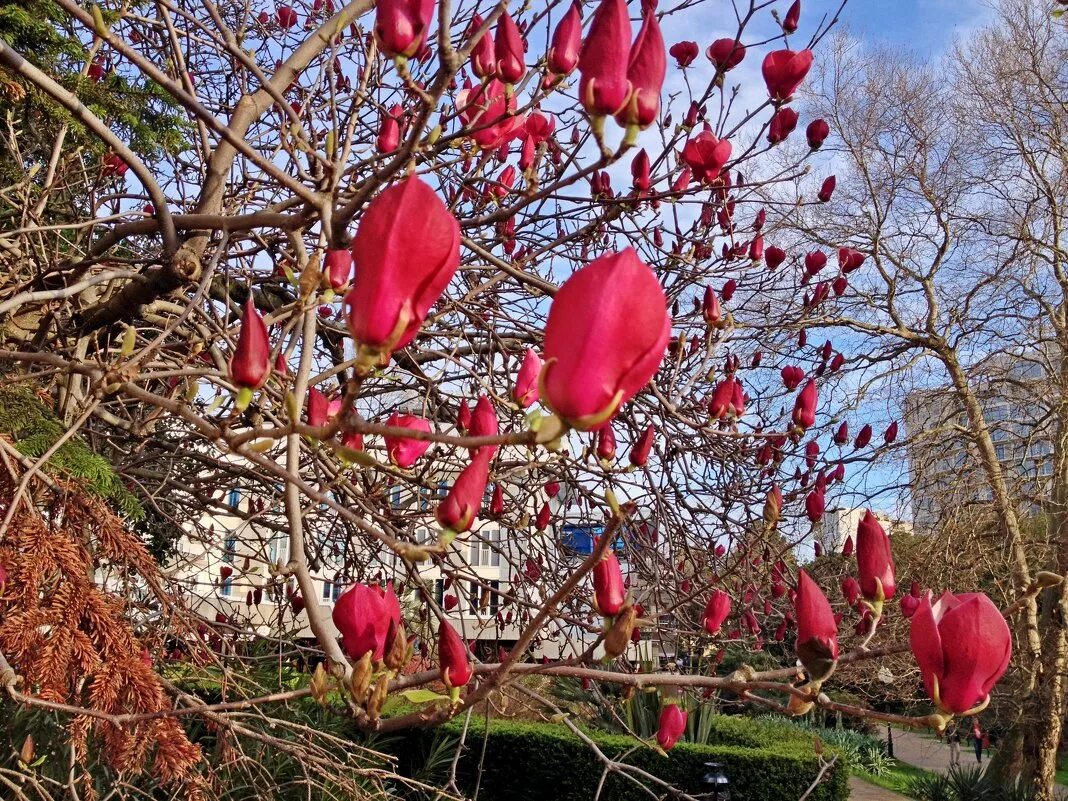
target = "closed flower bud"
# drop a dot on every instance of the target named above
(639, 171)
(543, 518)
(639, 454)
(401, 26)
(792, 18)
(782, 125)
(363, 616)
(566, 42)
(774, 256)
(484, 422)
(406, 249)
(672, 726)
(251, 363)
(403, 451)
(605, 338)
(508, 49)
(817, 132)
(525, 391)
(874, 560)
(815, 505)
(453, 662)
(606, 444)
(711, 310)
(864, 437)
(609, 594)
(645, 72)
(497, 502)
(826, 189)
(817, 632)
(603, 85)
(388, 134)
(338, 268)
(841, 436)
(717, 610)
(483, 57)
(804, 414)
(891, 433)
(457, 512)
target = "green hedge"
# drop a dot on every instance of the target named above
(540, 762)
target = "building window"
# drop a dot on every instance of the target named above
(439, 591)
(484, 598)
(486, 552)
(332, 590)
(234, 499)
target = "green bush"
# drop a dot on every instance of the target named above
(532, 762)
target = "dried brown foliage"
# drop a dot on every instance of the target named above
(71, 639)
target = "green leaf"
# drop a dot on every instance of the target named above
(423, 696)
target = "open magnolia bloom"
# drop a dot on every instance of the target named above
(963, 646)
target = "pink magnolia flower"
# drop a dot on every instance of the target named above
(453, 662)
(605, 337)
(639, 453)
(875, 563)
(525, 391)
(684, 53)
(672, 726)
(816, 132)
(646, 69)
(784, 70)
(406, 249)
(717, 610)
(962, 646)
(706, 156)
(489, 112)
(401, 26)
(609, 595)
(566, 42)
(817, 631)
(508, 50)
(363, 615)
(338, 268)
(457, 512)
(251, 363)
(403, 451)
(726, 54)
(603, 84)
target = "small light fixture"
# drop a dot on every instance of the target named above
(715, 783)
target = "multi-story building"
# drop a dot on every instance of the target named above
(838, 525)
(946, 475)
(228, 565)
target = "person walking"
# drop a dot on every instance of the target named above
(954, 749)
(977, 741)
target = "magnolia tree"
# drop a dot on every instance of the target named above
(510, 263)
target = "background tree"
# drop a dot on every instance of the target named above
(950, 177)
(188, 330)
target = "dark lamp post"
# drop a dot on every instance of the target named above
(715, 784)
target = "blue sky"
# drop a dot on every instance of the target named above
(927, 26)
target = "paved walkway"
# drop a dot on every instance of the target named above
(930, 753)
(915, 749)
(860, 790)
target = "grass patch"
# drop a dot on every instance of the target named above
(896, 778)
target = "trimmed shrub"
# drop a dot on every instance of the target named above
(533, 762)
